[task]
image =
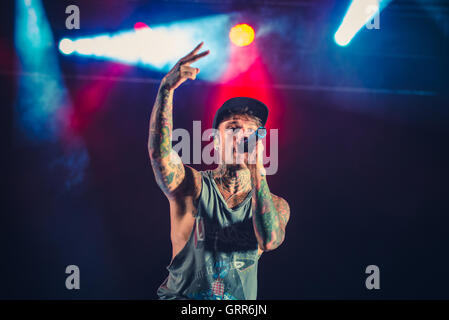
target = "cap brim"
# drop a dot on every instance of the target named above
(258, 109)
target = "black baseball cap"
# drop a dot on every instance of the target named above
(258, 108)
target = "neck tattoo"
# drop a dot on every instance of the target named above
(233, 181)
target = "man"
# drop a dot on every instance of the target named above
(221, 220)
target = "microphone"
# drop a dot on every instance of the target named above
(249, 143)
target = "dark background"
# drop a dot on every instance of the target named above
(363, 159)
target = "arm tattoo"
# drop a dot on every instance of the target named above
(270, 216)
(167, 166)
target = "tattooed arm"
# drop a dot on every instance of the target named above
(270, 216)
(167, 166)
(270, 212)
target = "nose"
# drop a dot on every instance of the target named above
(243, 135)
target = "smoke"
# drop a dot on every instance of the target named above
(71, 166)
(42, 96)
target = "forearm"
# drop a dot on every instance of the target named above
(161, 124)
(267, 219)
(167, 165)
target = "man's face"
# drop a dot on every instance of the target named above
(232, 130)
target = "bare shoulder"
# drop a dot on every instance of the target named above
(279, 201)
(190, 186)
(282, 207)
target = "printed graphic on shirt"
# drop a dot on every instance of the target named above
(220, 280)
(243, 264)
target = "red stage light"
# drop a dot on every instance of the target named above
(241, 35)
(140, 25)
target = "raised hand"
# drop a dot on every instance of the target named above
(182, 69)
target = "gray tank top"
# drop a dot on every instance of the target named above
(219, 261)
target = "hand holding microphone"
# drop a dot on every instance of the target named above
(249, 143)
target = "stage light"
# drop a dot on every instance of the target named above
(359, 13)
(66, 46)
(41, 96)
(42, 102)
(241, 35)
(140, 26)
(161, 46)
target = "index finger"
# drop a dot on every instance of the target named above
(194, 51)
(195, 58)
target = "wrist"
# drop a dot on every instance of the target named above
(165, 86)
(258, 173)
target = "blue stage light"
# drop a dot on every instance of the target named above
(42, 98)
(359, 13)
(42, 92)
(160, 47)
(66, 46)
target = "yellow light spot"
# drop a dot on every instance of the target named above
(241, 35)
